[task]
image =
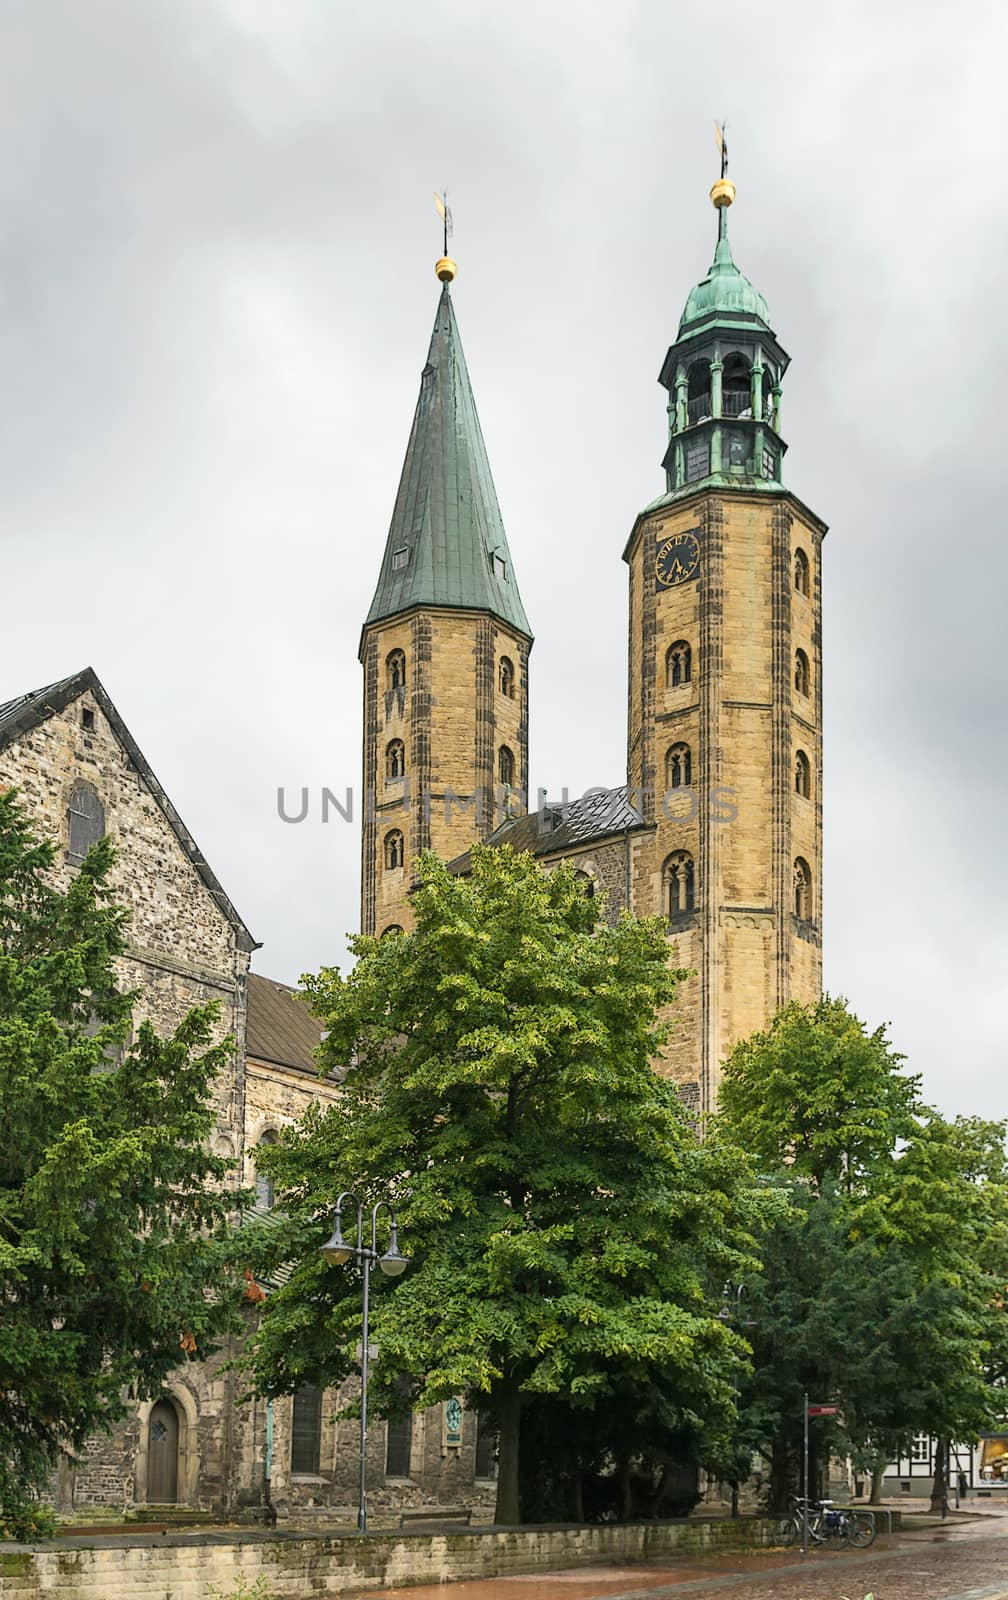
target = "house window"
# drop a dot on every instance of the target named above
(802, 775)
(801, 672)
(697, 462)
(306, 1430)
(394, 850)
(499, 567)
(87, 719)
(679, 883)
(505, 766)
(920, 1448)
(87, 821)
(506, 677)
(801, 572)
(802, 890)
(393, 927)
(586, 883)
(678, 664)
(395, 759)
(395, 669)
(678, 767)
(400, 559)
(399, 1437)
(769, 463)
(264, 1191)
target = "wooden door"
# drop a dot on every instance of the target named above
(162, 1454)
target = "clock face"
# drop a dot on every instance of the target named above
(677, 561)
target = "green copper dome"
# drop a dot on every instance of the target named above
(725, 294)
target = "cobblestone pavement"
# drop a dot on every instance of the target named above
(967, 1564)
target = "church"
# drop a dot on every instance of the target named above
(715, 827)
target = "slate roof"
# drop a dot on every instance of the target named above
(564, 828)
(280, 1029)
(28, 711)
(446, 516)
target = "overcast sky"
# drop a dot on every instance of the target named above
(217, 238)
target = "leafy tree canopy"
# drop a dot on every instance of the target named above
(817, 1092)
(112, 1213)
(564, 1224)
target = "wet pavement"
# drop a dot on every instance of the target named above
(961, 1561)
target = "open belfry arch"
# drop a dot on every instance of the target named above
(718, 827)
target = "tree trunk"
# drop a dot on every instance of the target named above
(779, 1484)
(939, 1493)
(625, 1492)
(579, 1515)
(507, 1406)
(877, 1476)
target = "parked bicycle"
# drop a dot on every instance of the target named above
(828, 1524)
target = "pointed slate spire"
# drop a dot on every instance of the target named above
(446, 546)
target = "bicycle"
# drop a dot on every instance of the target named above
(828, 1524)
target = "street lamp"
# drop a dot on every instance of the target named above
(337, 1251)
(732, 1296)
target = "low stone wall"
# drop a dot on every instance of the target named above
(299, 1566)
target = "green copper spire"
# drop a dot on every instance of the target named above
(725, 295)
(446, 546)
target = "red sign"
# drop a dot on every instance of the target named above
(823, 1411)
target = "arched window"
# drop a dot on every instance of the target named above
(801, 572)
(586, 883)
(678, 767)
(802, 890)
(678, 664)
(399, 1437)
(802, 775)
(679, 882)
(265, 1193)
(506, 677)
(736, 387)
(395, 759)
(393, 927)
(394, 850)
(306, 1430)
(505, 766)
(395, 670)
(801, 672)
(87, 821)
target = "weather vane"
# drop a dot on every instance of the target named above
(719, 132)
(441, 202)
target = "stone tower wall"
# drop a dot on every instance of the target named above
(453, 719)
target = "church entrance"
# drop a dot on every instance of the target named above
(162, 1454)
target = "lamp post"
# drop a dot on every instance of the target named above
(337, 1251)
(732, 1296)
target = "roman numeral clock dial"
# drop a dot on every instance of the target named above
(677, 561)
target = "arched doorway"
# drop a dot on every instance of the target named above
(163, 1454)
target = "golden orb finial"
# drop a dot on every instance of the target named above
(722, 193)
(446, 269)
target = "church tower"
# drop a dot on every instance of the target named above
(725, 682)
(444, 648)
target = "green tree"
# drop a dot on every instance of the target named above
(563, 1221)
(112, 1215)
(884, 1288)
(818, 1093)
